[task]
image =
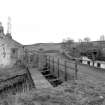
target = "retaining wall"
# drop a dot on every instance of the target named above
(16, 84)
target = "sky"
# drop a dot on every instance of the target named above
(39, 21)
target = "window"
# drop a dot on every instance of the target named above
(98, 64)
(31, 58)
(14, 52)
(88, 62)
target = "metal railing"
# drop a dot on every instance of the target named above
(57, 65)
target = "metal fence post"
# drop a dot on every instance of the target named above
(58, 67)
(65, 70)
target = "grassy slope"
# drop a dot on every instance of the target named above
(45, 46)
(69, 93)
(76, 93)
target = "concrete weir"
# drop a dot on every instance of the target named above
(39, 80)
(43, 78)
(53, 79)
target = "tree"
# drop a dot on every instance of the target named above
(63, 45)
(80, 40)
(87, 39)
(84, 46)
(66, 44)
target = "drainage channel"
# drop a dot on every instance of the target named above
(54, 80)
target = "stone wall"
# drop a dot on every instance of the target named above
(10, 52)
(15, 85)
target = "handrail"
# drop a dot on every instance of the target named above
(29, 76)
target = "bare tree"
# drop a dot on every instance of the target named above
(66, 44)
(87, 39)
(79, 40)
(63, 46)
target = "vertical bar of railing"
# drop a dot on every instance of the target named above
(38, 60)
(22, 87)
(30, 78)
(58, 67)
(65, 63)
(26, 85)
(46, 61)
(23, 84)
(76, 70)
(49, 63)
(16, 87)
(53, 65)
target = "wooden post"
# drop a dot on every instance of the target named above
(65, 70)
(76, 70)
(58, 67)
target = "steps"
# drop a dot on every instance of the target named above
(45, 72)
(54, 80)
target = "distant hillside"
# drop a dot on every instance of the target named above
(45, 46)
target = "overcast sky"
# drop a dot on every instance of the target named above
(35, 21)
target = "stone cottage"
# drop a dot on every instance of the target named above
(10, 51)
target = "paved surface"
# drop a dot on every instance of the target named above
(39, 79)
